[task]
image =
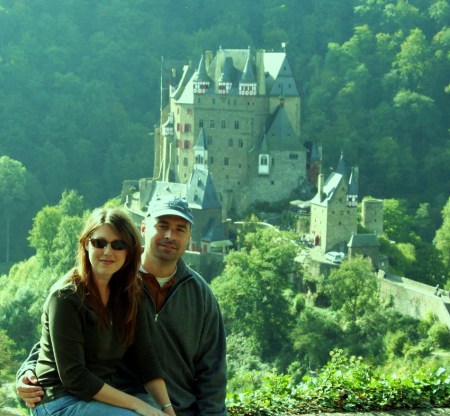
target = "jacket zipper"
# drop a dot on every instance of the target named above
(175, 289)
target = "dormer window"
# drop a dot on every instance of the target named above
(263, 164)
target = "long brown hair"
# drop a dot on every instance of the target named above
(125, 285)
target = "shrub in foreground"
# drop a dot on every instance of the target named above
(347, 385)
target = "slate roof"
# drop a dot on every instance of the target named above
(201, 141)
(329, 187)
(214, 231)
(201, 192)
(280, 135)
(363, 240)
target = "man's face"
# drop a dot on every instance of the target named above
(166, 237)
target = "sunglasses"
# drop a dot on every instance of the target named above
(102, 243)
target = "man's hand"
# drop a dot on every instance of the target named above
(28, 389)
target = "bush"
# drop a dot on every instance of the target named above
(344, 384)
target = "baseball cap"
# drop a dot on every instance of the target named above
(170, 205)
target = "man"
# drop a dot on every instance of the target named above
(185, 319)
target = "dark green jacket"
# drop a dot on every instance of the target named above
(78, 357)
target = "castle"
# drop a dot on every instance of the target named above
(229, 138)
(236, 114)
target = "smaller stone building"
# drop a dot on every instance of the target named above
(365, 245)
(334, 209)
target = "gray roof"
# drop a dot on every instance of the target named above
(280, 135)
(341, 167)
(201, 192)
(329, 187)
(201, 75)
(213, 231)
(248, 76)
(363, 240)
(353, 183)
(227, 74)
(201, 141)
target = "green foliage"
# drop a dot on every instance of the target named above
(252, 289)
(353, 290)
(442, 239)
(345, 384)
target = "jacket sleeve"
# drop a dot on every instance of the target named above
(30, 362)
(210, 363)
(66, 333)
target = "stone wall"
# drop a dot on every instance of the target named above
(415, 299)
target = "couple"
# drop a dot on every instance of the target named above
(96, 329)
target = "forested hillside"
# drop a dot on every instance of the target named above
(79, 90)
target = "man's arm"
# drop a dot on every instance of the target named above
(211, 369)
(27, 384)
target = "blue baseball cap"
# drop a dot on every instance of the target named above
(170, 205)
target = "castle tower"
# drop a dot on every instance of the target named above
(372, 215)
(333, 210)
(201, 81)
(249, 139)
(201, 152)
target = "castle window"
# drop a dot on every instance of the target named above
(222, 124)
(263, 165)
(213, 101)
(293, 156)
(189, 111)
(199, 100)
(199, 160)
(200, 123)
(240, 165)
(272, 182)
(211, 124)
(185, 161)
(236, 124)
(240, 143)
(187, 144)
(187, 127)
(209, 140)
(226, 161)
(230, 142)
(211, 160)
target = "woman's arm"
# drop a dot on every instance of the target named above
(157, 389)
(114, 397)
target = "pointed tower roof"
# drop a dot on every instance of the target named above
(341, 167)
(202, 75)
(201, 193)
(227, 70)
(214, 231)
(353, 182)
(280, 136)
(248, 76)
(201, 141)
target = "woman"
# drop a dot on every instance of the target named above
(92, 319)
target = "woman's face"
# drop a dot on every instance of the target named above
(107, 253)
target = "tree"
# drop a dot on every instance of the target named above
(253, 290)
(353, 290)
(55, 230)
(442, 239)
(397, 222)
(13, 178)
